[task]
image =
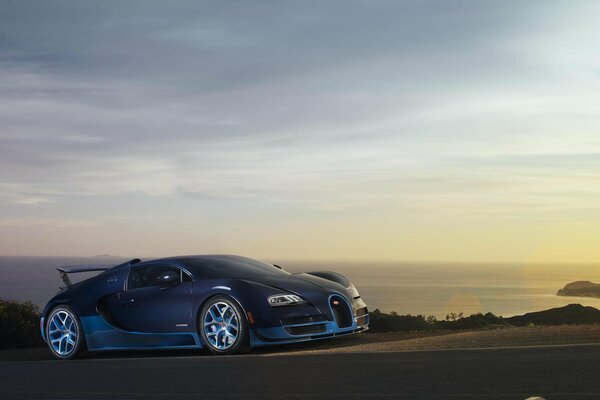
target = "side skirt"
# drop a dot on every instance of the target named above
(100, 335)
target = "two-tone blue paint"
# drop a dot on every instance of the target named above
(97, 301)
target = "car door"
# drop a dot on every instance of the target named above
(148, 304)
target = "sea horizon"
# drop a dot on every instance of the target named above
(406, 287)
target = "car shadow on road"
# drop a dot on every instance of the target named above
(42, 353)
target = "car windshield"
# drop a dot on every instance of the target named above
(230, 268)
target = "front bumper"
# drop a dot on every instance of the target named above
(302, 328)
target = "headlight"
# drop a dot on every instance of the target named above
(284, 300)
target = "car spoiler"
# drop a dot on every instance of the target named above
(73, 269)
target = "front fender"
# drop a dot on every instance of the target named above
(252, 297)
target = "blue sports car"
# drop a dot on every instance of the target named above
(224, 303)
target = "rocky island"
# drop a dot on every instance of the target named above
(580, 289)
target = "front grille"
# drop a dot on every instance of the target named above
(305, 319)
(305, 330)
(341, 311)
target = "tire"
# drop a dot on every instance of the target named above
(64, 334)
(223, 326)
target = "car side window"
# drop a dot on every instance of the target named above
(148, 275)
(185, 277)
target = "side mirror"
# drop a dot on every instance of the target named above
(166, 278)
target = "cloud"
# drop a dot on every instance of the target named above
(307, 109)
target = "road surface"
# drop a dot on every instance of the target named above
(560, 372)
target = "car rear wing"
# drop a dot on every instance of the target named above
(73, 269)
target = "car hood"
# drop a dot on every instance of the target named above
(310, 287)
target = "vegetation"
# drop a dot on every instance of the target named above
(580, 289)
(572, 314)
(19, 324)
(382, 322)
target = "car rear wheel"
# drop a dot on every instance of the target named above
(223, 326)
(64, 334)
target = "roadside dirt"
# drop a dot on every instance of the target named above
(506, 337)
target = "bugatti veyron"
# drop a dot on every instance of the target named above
(224, 303)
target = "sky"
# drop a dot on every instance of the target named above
(341, 130)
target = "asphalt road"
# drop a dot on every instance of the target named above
(566, 372)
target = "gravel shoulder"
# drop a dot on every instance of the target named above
(505, 337)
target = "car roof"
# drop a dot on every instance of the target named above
(178, 259)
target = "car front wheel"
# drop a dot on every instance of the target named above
(223, 326)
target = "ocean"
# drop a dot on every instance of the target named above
(406, 288)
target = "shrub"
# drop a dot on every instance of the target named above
(19, 324)
(381, 322)
(474, 321)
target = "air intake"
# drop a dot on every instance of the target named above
(341, 311)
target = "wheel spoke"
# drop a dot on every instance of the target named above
(212, 314)
(219, 338)
(63, 317)
(220, 311)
